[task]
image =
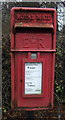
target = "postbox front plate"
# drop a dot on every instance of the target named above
(33, 39)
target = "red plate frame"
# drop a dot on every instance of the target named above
(23, 76)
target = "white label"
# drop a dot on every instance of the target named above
(33, 78)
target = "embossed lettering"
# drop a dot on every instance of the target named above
(31, 17)
(41, 45)
(33, 43)
(26, 43)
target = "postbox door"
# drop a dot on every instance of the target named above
(26, 96)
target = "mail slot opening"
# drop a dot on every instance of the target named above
(40, 29)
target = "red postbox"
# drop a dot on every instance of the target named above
(33, 46)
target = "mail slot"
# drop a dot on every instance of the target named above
(33, 46)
